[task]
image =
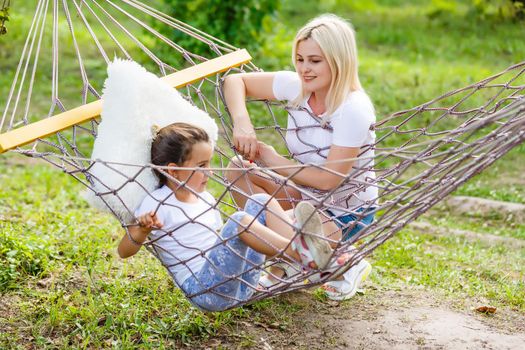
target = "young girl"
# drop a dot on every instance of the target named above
(215, 270)
(329, 124)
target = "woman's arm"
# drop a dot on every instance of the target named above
(236, 88)
(350, 131)
(129, 247)
(340, 159)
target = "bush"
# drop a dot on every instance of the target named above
(242, 25)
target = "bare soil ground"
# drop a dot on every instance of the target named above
(406, 319)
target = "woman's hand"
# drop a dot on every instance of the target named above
(236, 88)
(244, 139)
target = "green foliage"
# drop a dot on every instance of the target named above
(20, 257)
(499, 9)
(440, 8)
(4, 17)
(244, 25)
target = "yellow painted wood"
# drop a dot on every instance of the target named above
(49, 126)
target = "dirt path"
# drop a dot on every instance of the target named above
(428, 328)
(392, 320)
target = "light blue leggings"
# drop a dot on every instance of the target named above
(231, 267)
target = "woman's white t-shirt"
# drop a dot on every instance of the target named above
(349, 126)
(188, 230)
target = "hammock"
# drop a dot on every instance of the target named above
(422, 153)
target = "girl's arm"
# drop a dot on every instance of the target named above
(236, 88)
(340, 159)
(129, 247)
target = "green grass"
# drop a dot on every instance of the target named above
(460, 267)
(77, 292)
(493, 223)
(64, 286)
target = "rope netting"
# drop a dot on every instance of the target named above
(420, 155)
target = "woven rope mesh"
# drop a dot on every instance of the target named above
(421, 154)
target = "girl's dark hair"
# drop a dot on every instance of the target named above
(173, 144)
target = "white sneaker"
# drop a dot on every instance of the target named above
(347, 287)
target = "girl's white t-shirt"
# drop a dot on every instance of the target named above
(349, 126)
(188, 230)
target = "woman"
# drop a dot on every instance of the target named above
(329, 124)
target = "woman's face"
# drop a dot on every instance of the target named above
(312, 67)
(199, 157)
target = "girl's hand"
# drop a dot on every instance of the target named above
(132, 241)
(266, 153)
(148, 222)
(245, 140)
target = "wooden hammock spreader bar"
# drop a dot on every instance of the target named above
(40, 129)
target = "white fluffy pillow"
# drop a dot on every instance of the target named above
(133, 101)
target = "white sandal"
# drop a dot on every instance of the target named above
(349, 285)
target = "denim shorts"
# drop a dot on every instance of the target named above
(345, 222)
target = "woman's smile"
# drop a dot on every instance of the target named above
(312, 67)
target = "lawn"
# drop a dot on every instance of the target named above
(62, 285)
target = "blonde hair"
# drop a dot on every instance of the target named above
(336, 38)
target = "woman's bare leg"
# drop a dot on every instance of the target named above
(335, 234)
(331, 231)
